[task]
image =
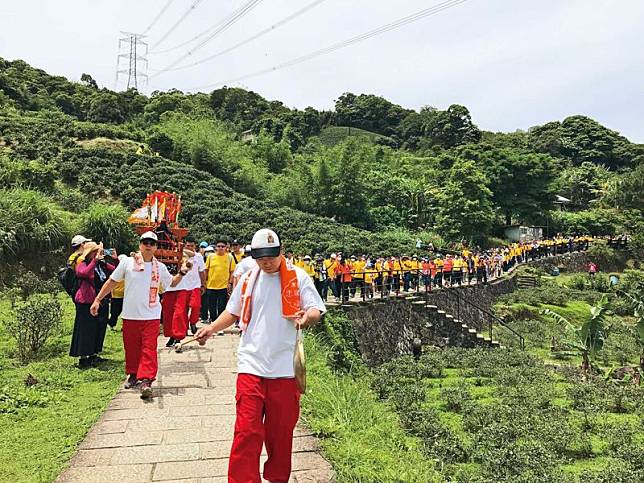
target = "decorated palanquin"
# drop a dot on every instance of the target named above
(160, 214)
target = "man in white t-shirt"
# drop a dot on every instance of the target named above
(247, 263)
(181, 304)
(141, 310)
(267, 395)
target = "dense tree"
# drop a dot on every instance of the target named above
(463, 203)
(450, 128)
(369, 112)
(521, 183)
(581, 139)
(105, 107)
(583, 184)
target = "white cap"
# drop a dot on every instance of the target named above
(78, 239)
(265, 243)
(149, 235)
(209, 248)
(333, 255)
(247, 249)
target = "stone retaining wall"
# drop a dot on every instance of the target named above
(386, 328)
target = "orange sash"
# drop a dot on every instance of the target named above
(291, 302)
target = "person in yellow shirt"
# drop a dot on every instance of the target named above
(369, 278)
(358, 275)
(438, 277)
(457, 270)
(415, 272)
(379, 277)
(219, 279)
(116, 301)
(308, 267)
(394, 269)
(331, 265)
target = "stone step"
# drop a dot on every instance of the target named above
(479, 336)
(465, 326)
(440, 312)
(419, 302)
(432, 307)
(473, 331)
(449, 316)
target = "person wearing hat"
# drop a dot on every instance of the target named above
(143, 275)
(247, 264)
(78, 242)
(271, 301)
(236, 251)
(89, 328)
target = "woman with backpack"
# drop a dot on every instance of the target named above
(89, 331)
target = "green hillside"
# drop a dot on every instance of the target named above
(368, 176)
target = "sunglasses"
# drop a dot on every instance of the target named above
(221, 246)
(148, 242)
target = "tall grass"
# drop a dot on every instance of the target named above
(361, 437)
(30, 223)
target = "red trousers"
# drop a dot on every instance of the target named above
(174, 314)
(176, 305)
(267, 412)
(194, 304)
(140, 343)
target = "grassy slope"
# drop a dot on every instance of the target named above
(361, 437)
(37, 442)
(332, 135)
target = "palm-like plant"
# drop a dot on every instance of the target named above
(588, 339)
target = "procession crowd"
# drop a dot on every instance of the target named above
(270, 294)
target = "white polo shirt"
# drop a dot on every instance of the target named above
(137, 289)
(266, 348)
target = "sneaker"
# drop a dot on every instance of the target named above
(177, 348)
(84, 363)
(171, 342)
(193, 329)
(146, 389)
(131, 382)
(221, 332)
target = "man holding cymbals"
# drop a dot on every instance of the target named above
(271, 301)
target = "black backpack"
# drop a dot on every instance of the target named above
(69, 281)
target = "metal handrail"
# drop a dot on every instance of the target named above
(492, 316)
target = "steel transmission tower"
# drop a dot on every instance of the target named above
(132, 60)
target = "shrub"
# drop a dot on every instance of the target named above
(455, 397)
(337, 331)
(431, 363)
(34, 321)
(29, 223)
(108, 224)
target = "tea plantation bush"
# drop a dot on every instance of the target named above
(207, 201)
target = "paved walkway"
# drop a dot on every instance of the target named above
(185, 432)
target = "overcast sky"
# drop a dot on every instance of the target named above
(513, 63)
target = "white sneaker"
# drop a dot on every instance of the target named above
(221, 332)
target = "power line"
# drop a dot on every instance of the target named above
(196, 37)
(231, 19)
(156, 19)
(249, 39)
(194, 5)
(345, 43)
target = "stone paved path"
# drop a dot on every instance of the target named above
(185, 432)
